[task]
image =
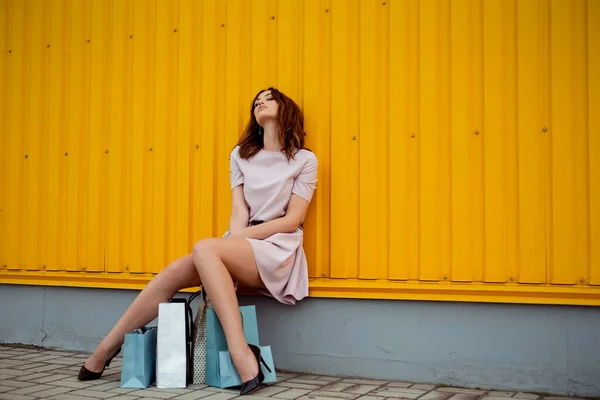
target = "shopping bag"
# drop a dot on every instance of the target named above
(216, 343)
(199, 339)
(228, 373)
(138, 370)
(173, 347)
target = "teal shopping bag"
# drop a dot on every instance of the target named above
(139, 359)
(216, 343)
(229, 375)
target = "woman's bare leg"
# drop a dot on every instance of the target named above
(219, 263)
(178, 275)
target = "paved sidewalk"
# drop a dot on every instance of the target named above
(37, 373)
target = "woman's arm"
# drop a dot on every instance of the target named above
(295, 214)
(239, 211)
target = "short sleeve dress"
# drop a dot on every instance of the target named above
(269, 181)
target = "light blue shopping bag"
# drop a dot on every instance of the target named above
(228, 373)
(139, 359)
(220, 371)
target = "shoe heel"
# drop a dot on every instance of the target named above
(263, 362)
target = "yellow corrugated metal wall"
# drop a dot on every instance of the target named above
(458, 140)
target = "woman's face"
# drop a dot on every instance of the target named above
(265, 108)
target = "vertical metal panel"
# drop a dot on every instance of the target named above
(4, 27)
(499, 135)
(344, 137)
(569, 249)
(531, 61)
(593, 25)
(466, 142)
(455, 138)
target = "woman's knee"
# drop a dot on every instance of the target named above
(204, 250)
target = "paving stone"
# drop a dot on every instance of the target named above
(361, 389)
(321, 394)
(339, 386)
(9, 362)
(52, 378)
(124, 397)
(219, 390)
(328, 378)
(69, 396)
(269, 391)
(365, 381)
(293, 385)
(311, 377)
(121, 390)
(15, 384)
(13, 372)
(51, 392)
(461, 390)
(198, 394)
(369, 397)
(222, 396)
(307, 381)
(32, 389)
(529, 396)
(292, 394)
(152, 394)
(73, 384)
(464, 396)
(11, 396)
(41, 368)
(400, 393)
(105, 386)
(400, 384)
(435, 395)
(422, 386)
(91, 393)
(500, 394)
(557, 398)
(4, 389)
(33, 377)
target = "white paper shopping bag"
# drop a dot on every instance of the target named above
(172, 349)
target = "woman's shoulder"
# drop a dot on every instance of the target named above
(235, 153)
(306, 156)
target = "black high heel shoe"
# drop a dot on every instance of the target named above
(87, 375)
(253, 384)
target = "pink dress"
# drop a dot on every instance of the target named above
(269, 180)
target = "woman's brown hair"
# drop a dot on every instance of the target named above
(290, 121)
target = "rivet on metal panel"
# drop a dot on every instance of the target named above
(512, 278)
(127, 268)
(88, 40)
(412, 135)
(582, 280)
(10, 51)
(150, 149)
(4, 266)
(272, 17)
(130, 36)
(26, 156)
(545, 129)
(106, 151)
(445, 276)
(66, 153)
(43, 267)
(83, 268)
(327, 10)
(384, 3)
(222, 25)
(353, 137)
(48, 46)
(323, 274)
(197, 146)
(175, 30)
(476, 132)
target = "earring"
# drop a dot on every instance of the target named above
(260, 131)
